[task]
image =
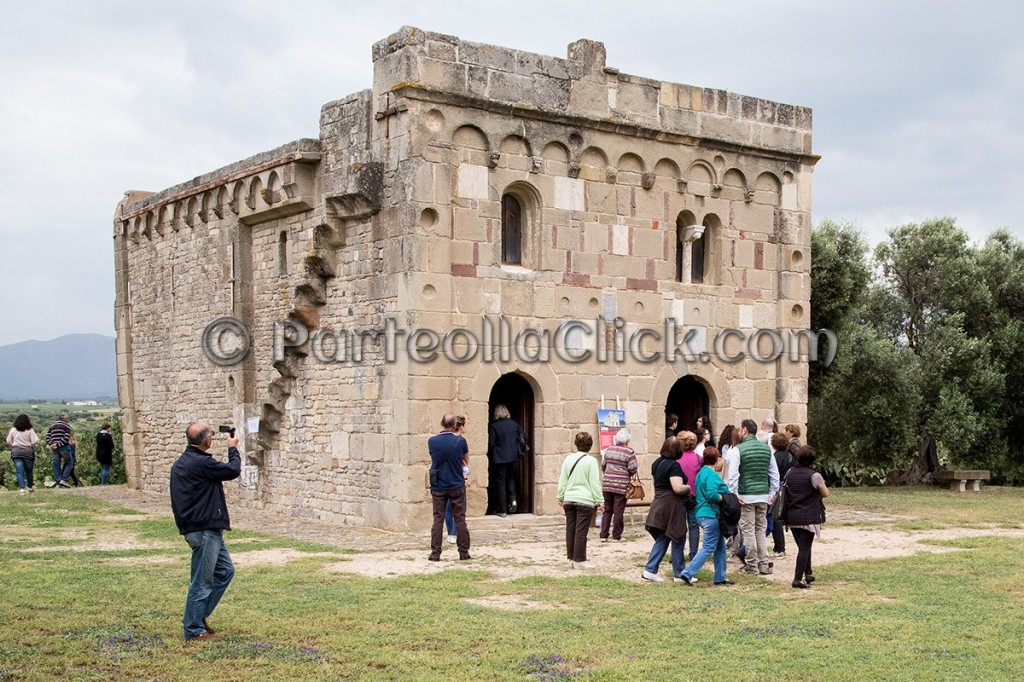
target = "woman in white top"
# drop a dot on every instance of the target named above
(22, 439)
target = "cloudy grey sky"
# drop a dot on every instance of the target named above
(917, 105)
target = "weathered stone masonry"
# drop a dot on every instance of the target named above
(396, 211)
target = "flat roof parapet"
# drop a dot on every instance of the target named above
(581, 86)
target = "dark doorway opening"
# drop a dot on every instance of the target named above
(689, 400)
(515, 393)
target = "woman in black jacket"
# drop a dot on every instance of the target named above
(504, 438)
(805, 511)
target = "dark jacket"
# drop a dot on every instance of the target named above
(784, 460)
(804, 507)
(197, 494)
(503, 441)
(728, 515)
(104, 447)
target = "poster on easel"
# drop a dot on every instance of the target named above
(608, 424)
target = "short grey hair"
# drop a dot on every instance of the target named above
(622, 436)
(501, 412)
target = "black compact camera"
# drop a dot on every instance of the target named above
(227, 429)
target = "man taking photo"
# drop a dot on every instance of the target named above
(201, 513)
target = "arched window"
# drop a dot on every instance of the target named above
(511, 230)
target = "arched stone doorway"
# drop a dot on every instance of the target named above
(514, 392)
(689, 400)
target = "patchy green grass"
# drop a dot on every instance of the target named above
(76, 615)
(993, 505)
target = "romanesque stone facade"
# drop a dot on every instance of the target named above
(472, 186)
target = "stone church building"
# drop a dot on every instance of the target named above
(474, 188)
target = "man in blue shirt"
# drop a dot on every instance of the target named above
(448, 483)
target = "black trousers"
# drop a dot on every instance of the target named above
(804, 540)
(458, 499)
(614, 509)
(577, 523)
(504, 486)
(778, 534)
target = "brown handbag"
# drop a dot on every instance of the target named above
(635, 489)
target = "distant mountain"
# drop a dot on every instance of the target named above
(71, 367)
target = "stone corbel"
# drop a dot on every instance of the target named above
(536, 162)
(610, 174)
(681, 185)
(574, 170)
(647, 180)
(748, 195)
(716, 189)
(492, 159)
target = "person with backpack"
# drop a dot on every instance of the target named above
(784, 461)
(710, 489)
(579, 494)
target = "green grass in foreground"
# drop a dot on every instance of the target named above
(103, 615)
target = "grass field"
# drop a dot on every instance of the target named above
(115, 612)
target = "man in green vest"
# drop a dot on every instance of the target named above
(755, 479)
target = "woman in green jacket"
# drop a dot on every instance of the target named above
(709, 488)
(579, 493)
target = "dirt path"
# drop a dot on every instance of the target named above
(523, 545)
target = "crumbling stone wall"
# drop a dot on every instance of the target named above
(395, 211)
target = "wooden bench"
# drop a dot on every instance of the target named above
(962, 480)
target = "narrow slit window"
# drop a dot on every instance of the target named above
(697, 259)
(282, 254)
(511, 231)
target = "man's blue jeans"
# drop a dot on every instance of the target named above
(658, 553)
(104, 474)
(714, 544)
(63, 463)
(449, 518)
(212, 572)
(23, 468)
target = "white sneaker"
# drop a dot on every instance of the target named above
(680, 579)
(652, 577)
(452, 539)
(572, 564)
(585, 564)
(22, 491)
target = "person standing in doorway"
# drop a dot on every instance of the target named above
(671, 425)
(201, 514)
(447, 483)
(619, 464)
(505, 439)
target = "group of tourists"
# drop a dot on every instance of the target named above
(60, 440)
(718, 494)
(711, 493)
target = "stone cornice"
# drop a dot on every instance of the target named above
(305, 150)
(424, 93)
